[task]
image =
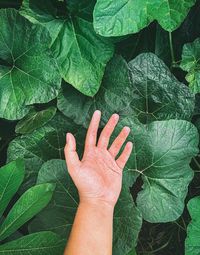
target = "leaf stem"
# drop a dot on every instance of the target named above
(196, 162)
(171, 49)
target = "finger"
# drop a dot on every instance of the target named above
(71, 155)
(119, 141)
(91, 137)
(107, 131)
(123, 158)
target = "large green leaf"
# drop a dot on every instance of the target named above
(29, 73)
(144, 88)
(35, 119)
(115, 18)
(192, 242)
(11, 177)
(161, 155)
(28, 205)
(43, 144)
(191, 64)
(76, 46)
(45, 243)
(127, 219)
(165, 170)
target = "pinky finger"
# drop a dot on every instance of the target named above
(123, 158)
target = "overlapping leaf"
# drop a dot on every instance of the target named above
(191, 64)
(116, 18)
(35, 119)
(147, 90)
(161, 155)
(127, 219)
(11, 176)
(76, 46)
(28, 205)
(192, 242)
(28, 72)
(144, 88)
(45, 243)
(43, 144)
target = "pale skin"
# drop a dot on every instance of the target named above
(98, 178)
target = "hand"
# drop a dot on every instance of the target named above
(98, 176)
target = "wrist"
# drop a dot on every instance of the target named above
(98, 204)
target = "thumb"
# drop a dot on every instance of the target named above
(71, 155)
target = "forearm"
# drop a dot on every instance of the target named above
(92, 230)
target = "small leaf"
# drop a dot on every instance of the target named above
(28, 205)
(34, 120)
(192, 242)
(11, 177)
(116, 18)
(45, 243)
(191, 63)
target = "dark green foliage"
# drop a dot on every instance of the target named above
(60, 61)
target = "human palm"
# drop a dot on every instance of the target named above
(98, 176)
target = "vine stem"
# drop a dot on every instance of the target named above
(171, 49)
(196, 162)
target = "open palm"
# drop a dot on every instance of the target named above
(98, 176)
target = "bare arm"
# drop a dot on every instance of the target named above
(98, 178)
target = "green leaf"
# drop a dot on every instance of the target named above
(144, 88)
(28, 205)
(127, 219)
(34, 120)
(45, 243)
(11, 177)
(76, 46)
(161, 156)
(83, 8)
(133, 252)
(191, 64)
(187, 32)
(43, 144)
(123, 17)
(165, 170)
(127, 223)
(192, 242)
(29, 74)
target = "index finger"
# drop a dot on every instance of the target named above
(91, 137)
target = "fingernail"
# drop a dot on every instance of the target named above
(68, 137)
(98, 112)
(130, 144)
(127, 129)
(116, 116)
